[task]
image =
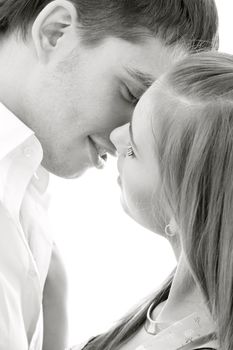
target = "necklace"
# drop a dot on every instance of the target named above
(151, 326)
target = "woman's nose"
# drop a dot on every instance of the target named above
(120, 138)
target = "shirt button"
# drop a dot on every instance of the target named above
(27, 152)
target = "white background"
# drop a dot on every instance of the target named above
(111, 261)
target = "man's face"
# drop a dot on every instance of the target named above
(74, 105)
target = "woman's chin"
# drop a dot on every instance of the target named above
(124, 206)
(133, 215)
(146, 222)
(127, 210)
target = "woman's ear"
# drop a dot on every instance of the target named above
(172, 231)
(54, 30)
(172, 228)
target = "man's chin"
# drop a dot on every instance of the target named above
(73, 174)
(65, 172)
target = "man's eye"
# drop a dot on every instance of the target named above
(132, 98)
(129, 96)
(130, 152)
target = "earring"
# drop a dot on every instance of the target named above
(168, 231)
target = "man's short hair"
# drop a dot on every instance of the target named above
(193, 23)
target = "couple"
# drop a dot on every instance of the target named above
(72, 72)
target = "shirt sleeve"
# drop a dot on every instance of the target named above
(16, 289)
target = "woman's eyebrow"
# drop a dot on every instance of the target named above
(142, 78)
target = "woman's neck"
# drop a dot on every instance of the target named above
(185, 296)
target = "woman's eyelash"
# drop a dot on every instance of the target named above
(130, 152)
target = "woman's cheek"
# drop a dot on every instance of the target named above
(138, 203)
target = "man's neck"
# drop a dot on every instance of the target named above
(13, 76)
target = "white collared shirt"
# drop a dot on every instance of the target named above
(25, 243)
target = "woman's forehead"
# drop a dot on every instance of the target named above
(150, 102)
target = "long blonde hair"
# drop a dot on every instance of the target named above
(197, 169)
(196, 152)
(196, 160)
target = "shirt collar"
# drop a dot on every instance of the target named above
(12, 131)
(20, 157)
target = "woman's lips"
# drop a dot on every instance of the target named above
(119, 168)
(119, 181)
(119, 164)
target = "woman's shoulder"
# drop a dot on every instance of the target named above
(211, 345)
(78, 347)
(205, 349)
(81, 346)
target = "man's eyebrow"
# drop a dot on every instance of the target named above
(131, 136)
(144, 79)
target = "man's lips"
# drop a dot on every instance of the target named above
(103, 146)
(99, 149)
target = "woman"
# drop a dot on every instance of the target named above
(176, 176)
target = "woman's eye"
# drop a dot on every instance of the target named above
(130, 152)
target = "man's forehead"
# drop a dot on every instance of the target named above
(150, 60)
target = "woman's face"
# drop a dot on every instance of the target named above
(138, 165)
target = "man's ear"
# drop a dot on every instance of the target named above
(54, 30)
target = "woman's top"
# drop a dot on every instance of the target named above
(194, 332)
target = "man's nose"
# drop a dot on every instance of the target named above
(120, 138)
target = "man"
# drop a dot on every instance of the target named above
(71, 71)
